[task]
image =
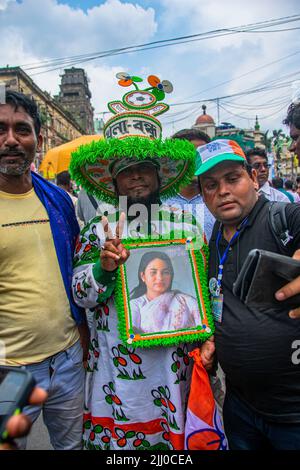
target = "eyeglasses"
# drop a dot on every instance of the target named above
(257, 166)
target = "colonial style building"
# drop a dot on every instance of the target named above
(247, 138)
(283, 162)
(286, 164)
(75, 97)
(58, 125)
(206, 123)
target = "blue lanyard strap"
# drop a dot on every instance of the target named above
(223, 258)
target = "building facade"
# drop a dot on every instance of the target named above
(286, 164)
(247, 138)
(75, 97)
(283, 162)
(58, 126)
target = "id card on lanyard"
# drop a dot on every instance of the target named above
(217, 307)
(215, 284)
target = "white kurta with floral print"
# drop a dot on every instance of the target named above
(135, 398)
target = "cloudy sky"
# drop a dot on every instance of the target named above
(32, 31)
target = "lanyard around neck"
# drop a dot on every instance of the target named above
(223, 258)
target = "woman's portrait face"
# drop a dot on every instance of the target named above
(157, 277)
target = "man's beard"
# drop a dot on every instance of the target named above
(8, 169)
(152, 198)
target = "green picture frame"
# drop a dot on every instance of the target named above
(161, 294)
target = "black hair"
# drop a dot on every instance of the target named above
(191, 134)
(63, 178)
(19, 100)
(141, 288)
(288, 184)
(256, 151)
(248, 168)
(293, 115)
(298, 179)
(277, 182)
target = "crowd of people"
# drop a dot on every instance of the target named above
(54, 280)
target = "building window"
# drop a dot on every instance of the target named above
(71, 94)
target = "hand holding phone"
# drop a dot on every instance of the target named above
(20, 425)
(16, 385)
(291, 289)
(262, 275)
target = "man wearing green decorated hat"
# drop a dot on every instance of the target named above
(254, 342)
(138, 380)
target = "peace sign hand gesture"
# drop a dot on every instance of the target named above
(113, 253)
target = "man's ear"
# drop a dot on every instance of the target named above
(114, 181)
(254, 179)
(39, 143)
(199, 185)
(158, 181)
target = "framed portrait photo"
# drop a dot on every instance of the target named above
(161, 294)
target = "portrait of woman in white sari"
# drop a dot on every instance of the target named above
(154, 306)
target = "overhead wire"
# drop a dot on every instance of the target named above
(246, 73)
(248, 27)
(278, 110)
(257, 27)
(68, 61)
(218, 99)
(269, 104)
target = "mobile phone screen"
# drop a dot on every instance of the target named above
(11, 382)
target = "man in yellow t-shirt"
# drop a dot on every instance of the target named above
(41, 328)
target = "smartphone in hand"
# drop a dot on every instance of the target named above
(16, 386)
(264, 273)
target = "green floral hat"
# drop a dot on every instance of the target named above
(132, 136)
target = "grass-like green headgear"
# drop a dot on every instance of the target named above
(134, 133)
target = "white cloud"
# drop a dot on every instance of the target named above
(49, 29)
(4, 3)
(34, 30)
(205, 64)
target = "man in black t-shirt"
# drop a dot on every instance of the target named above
(292, 120)
(253, 346)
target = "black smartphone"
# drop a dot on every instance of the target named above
(16, 386)
(262, 275)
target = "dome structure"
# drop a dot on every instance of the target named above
(204, 118)
(206, 123)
